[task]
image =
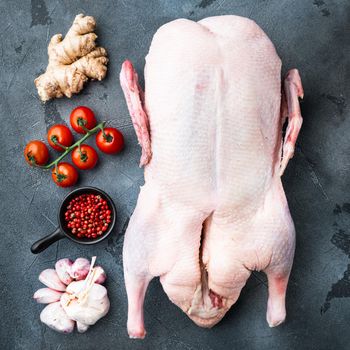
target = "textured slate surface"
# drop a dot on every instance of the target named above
(310, 35)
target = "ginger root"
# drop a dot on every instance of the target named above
(72, 61)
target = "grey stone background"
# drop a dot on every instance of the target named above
(312, 35)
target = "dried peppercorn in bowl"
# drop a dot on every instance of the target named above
(80, 202)
(88, 215)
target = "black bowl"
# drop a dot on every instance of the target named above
(63, 231)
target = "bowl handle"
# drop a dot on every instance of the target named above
(46, 241)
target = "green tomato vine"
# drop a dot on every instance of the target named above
(69, 149)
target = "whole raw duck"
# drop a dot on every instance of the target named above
(213, 208)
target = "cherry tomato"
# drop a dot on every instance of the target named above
(36, 153)
(85, 158)
(111, 141)
(64, 175)
(82, 117)
(59, 135)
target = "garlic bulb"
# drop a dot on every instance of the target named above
(74, 295)
(89, 308)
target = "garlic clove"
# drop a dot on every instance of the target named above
(47, 295)
(100, 272)
(80, 269)
(63, 267)
(55, 317)
(50, 278)
(82, 328)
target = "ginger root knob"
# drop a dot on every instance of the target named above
(72, 61)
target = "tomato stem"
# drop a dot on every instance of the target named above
(31, 158)
(103, 131)
(55, 141)
(84, 128)
(82, 122)
(70, 148)
(106, 137)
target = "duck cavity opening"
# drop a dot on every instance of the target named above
(206, 301)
